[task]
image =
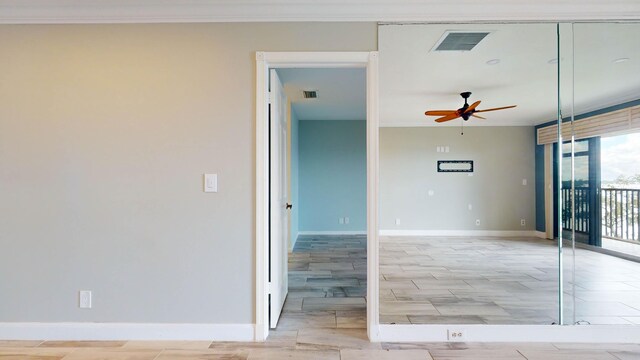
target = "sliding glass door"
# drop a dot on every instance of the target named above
(580, 194)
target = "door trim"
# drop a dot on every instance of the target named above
(265, 61)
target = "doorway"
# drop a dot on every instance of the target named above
(327, 175)
(268, 270)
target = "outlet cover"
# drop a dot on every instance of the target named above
(84, 299)
(397, 221)
(341, 221)
(455, 335)
(346, 220)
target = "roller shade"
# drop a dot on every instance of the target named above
(597, 125)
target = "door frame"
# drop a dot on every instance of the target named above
(269, 60)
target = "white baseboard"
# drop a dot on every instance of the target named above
(509, 333)
(541, 234)
(126, 331)
(513, 233)
(363, 232)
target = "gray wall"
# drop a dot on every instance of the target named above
(333, 175)
(105, 132)
(503, 157)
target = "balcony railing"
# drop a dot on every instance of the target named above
(620, 218)
(582, 220)
(620, 212)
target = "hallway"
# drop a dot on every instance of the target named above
(327, 283)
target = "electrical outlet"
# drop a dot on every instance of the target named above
(455, 335)
(84, 299)
(477, 222)
(346, 220)
(522, 222)
(397, 221)
(524, 182)
(470, 207)
(341, 221)
(430, 192)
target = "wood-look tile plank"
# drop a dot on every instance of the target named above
(101, 353)
(84, 344)
(167, 345)
(350, 354)
(333, 303)
(20, 343)
(477, 354)
(32, 353)
(307, 319)
(211, 354)
(335, 339)
(298, 354)
(567, 354)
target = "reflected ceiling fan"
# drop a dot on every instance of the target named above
(464, 112)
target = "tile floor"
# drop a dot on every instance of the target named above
(313, 328)
(489, 280)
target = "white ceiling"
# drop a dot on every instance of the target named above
(132, 11)
(414, 79)
(341, 93)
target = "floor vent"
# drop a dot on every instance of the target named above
(459, 40)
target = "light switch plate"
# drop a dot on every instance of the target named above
(210, 182)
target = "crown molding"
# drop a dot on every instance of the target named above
(168, 11)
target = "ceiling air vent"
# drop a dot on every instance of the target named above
(310, 94)
(460, 40)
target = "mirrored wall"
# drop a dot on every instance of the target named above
(600, 135)
(484, 219)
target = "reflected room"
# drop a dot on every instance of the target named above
(473, 185)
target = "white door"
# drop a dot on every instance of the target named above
(278, 269)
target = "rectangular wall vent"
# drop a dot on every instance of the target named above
(310, 94)
(460, 41)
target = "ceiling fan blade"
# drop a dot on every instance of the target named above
(479, 117)
(440, 112)
(448, 117)
(472, 107)
(494, 109)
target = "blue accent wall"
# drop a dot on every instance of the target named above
(332, 174)
(540, 218)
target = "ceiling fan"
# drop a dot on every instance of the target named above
(464, 112)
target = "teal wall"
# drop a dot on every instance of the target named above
(332, 175)
(295, 210)
(540, 218)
